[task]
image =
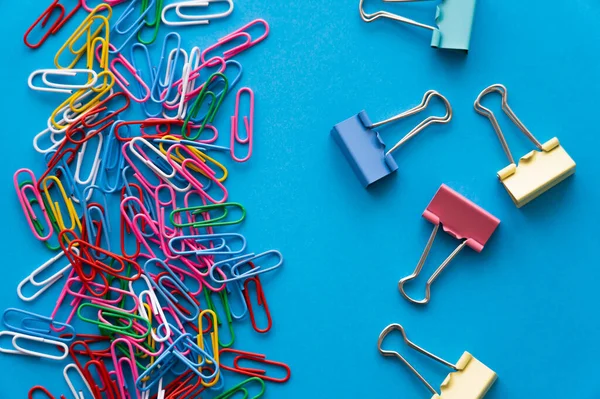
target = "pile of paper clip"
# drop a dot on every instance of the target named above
(165, 302)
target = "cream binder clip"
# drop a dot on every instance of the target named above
(537, 171)
(470, 379)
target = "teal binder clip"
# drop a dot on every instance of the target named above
(454, 19)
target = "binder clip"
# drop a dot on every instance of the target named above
(454, 20)
(365, 150)
(470, 379)
(460, 218)
(537, 171)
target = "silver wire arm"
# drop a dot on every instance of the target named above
(428, 121)
(384, 14)
(413, 346)
(419, 267)
(501, 89)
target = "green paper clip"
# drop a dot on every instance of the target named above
(454, 19)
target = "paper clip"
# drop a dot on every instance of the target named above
(194, 19)
(40, 389)
(239, 33)
(253, 372)
(70, 383)
(454, 19)
(248, 124)
(232, 393)
(61, 87)
(45, 284)
(55, 26)
(470, 379)
(132, 29)
(35, 325)
(537, 171)
(460, 218)
(363, 147)
(261, 301)
(32, 185)
(18, 350)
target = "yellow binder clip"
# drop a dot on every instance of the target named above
(537, 171)
(470, 379)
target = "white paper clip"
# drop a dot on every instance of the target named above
(48, 282)
(537, 171)
(197, 19)
(19, 350)
(470, 379)
(61, 87)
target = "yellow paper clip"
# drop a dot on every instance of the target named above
(54, 206)
(214, 337)
(84, 30)
(537, 171)
(470, 379)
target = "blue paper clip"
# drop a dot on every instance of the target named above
(38, 326)
(242, 260)
(454, 19)
(131, 30)
(365, 150)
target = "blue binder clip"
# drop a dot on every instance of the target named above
(363, 147)
(454, 19)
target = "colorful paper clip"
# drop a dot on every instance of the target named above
(194, 19)
(454, 19)
(365, 150)
(537, 171)
(460, 218)
(470, 379)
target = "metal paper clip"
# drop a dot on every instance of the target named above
(55, 26)
(460, 218)
(248, 124)
(363, 147)
(537, 171)
(61, 87)
(45, 284)
(35, 325)
(70, 383)
(19, 350)
(454, 19)
(470, 379)
(253, 372)
(241, 388)
(196, 19)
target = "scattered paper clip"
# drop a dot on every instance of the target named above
(537, 171)
(469, 379)
(194, 19)
(363, 147)
(454, 19)
(62, 87)
(460, 218)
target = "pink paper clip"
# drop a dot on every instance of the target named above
(460, 218)
(248, 124)
(26, 204)
(240, 33)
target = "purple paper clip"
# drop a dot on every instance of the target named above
(460, 218)
(365, 150)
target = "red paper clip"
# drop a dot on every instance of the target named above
(107, 120)
(252, 372)
(56, 25)
(39, 388)
(261, 300)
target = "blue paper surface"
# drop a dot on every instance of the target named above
(526, 306)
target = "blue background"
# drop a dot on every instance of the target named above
(526, 306)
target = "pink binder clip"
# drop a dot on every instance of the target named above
(460, 218)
